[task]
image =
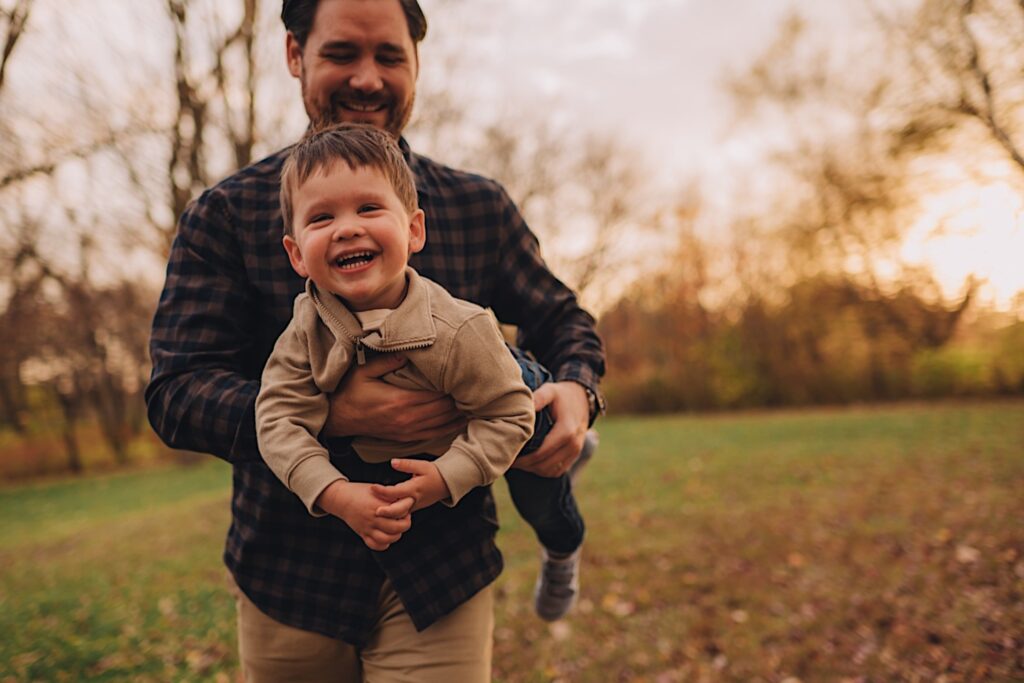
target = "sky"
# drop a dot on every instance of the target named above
(652, 71)
(648, 71)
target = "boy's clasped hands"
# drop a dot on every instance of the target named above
(381, 514)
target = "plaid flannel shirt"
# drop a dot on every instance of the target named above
(227, 297)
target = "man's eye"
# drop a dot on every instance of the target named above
(340, 57)
(390, 60)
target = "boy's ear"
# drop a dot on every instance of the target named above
(293, 53)
(295, 255)
(417, 231)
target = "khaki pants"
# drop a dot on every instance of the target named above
(454, 649)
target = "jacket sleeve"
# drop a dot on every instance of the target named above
(552, 325)
(199, 397)
(486, 383)
(290, 413)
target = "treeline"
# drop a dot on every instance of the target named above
(802, 295)
(825, 341)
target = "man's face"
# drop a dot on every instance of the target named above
(359, 64)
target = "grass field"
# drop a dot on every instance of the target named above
(868, 544)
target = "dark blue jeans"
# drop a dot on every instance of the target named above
(546, 503)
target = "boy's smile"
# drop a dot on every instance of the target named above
(353, 236)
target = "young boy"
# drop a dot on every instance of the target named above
(351, 220)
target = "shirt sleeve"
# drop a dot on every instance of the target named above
(198, 397)
(552, 325)
(485, 382)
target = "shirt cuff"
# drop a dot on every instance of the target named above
(585, 376)
(310, 477)
(460, 473)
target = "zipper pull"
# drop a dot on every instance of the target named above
(360, 353)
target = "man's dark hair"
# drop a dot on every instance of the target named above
(298, 16)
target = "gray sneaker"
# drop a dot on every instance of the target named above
(558, 585)
(590, 443)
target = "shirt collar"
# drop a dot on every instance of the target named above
(423, 187)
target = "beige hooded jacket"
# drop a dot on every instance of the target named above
(453, 346)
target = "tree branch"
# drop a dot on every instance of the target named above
(16, 20)
(988, 116)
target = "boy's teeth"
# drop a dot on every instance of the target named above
(353, 260)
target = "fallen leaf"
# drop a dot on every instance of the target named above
(166, 606)
(965, 554)
(560, 630)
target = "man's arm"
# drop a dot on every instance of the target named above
(198, 397)
(562, 336)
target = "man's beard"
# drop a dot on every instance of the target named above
(395, 117)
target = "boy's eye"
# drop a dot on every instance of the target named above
(367, 208)
(319, 218)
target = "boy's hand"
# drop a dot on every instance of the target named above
(378, 521)
(561, 448)
(426, 486)
(365, 405)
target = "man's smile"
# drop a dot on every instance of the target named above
(360, 105)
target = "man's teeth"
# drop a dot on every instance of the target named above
(363, 107)
(354, 260)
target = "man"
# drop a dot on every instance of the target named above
(313, 600)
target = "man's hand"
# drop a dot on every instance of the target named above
(571, 412)
(426, 486)
(379, 522)
(365, 405)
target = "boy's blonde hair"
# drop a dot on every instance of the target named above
(359, 145)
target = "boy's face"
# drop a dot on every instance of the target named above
(353, 237)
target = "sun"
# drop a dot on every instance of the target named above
(975, 230)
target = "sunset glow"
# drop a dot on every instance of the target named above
(975, 231)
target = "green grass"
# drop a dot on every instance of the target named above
(867, 544)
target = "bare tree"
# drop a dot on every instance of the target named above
(965, 59)
(943, 84)
(200, 90)
(14, 19)
(81, 323)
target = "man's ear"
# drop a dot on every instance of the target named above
(295, 255)
(293, 53)
(417, 231)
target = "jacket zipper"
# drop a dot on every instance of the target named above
(360, 346)
(361, 349)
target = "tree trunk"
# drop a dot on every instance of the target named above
(69, 409)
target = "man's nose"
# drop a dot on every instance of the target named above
(366, 77)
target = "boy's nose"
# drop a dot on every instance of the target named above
(346, 230)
